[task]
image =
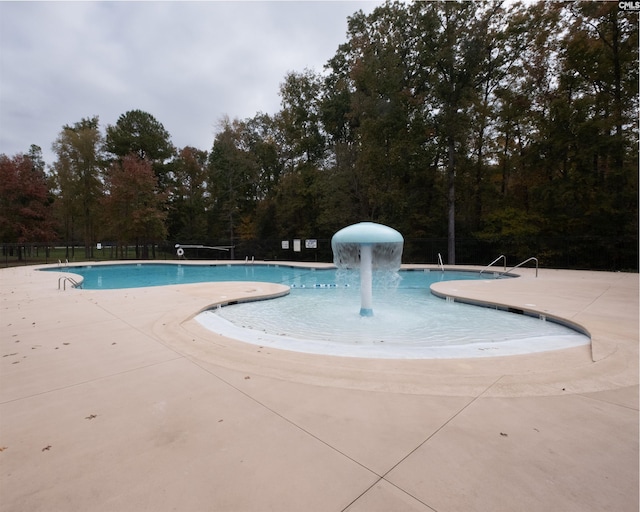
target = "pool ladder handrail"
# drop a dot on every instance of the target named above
(520, 264)
(503, 257)
(64, 280)
(440, 264)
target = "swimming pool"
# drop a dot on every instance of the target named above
(106, 277)
(320, 315)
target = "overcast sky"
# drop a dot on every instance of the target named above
(186, 63)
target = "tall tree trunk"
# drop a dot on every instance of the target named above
(451, 196)
(478, 182)
(618, 146)
(505, 163)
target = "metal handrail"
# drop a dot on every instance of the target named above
(502, 256)
(64, 280)
(440, 264)
(520, 264)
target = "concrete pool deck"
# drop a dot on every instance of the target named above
(117, 400)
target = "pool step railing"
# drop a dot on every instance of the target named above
(63, 280)
(520, 264)
(501, 257)
(440, 264)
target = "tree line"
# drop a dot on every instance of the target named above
(514, 126)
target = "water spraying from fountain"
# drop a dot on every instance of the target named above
(367, 246)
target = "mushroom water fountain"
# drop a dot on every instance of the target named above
(367, 246)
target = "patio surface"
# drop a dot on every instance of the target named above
(117, 400)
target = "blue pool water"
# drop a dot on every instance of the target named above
(104, 277)
(321, 313)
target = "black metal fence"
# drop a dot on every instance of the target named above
(593, 253)
(571, 253)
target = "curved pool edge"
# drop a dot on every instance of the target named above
(606, 303)
(610, 362)
(444, 292)
(279, 290)
(516, 296)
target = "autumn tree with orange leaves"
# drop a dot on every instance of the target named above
(25, 202)
(133, 208)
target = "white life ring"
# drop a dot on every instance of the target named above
(180, 251)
